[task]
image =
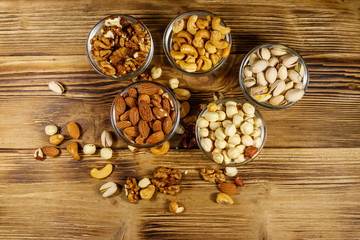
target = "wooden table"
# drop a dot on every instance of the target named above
(304, 185)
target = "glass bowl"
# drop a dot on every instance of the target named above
(305, 81)
(167, 44)
(167, 137)
(247, 159)
(97, 31)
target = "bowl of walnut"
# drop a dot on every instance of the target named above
(197, 43)
(120, 47)
(145, 114)
(230, 132)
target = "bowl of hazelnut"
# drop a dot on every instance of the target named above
(197, 43)
(230, 132)
(120, 47)
(145, 114)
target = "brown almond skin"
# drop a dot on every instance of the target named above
(228, 188)
(166, 105)
(119, 104)
(156, 97)
(131, 102)
(144, 129)
(167, 125)
(157, 126)
(159, 113)
(132, 92)
(185, 109)
(155, 137)
(140, 140)
(125, 116)
(145, 98)
(50, 151)
(73, 150)
(56, 139)
(132, 131)
(147, 88)
(73, 130)
(145, 111)
(173, 115)
(134, 116)
(123, 124)
(156, 103)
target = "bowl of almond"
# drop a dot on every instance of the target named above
(145, 114)
(230, 132)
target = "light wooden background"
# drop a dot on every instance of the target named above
(304, 185)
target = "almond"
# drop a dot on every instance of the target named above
(173, 115)
(166, 105)
(185, 109)
(145, 111)
(147, 88)
(50, 151)
(167, 125)
(155, 137)
(131, 102)
(73, 150)
(132, 131)
(132, 92)
(120, 105)
(121, 125)
(160, 92)
(73, 130)
(56, 139)
(228, 188)
(134, 116)
(144, 129)
(128, 137)
(145, 98)
(159, 113)
(140, 140)
(167, 96)
(125, 116)
(156, 103)
(157, 126)
(156, 97)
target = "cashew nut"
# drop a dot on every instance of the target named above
(219, 52)
(202, 23)
(186, 35)
(102, 173)
(177, 55)
(190, 59)
(201, 51)
(199, 64)
(210, 48)
(207, 63)
(215, 39)
(176, 47)
(191, 26)
(208, 18)
(189, 50)
(199, 36)
(189, 67)
(226, 51)
(178, 25)
(216, 26)
(179, 41)
(214, 58)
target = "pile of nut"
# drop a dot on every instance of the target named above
(274, 76)
(199, 44)
(145, 113)
(230, 131)
(226, 188)
(122, 47)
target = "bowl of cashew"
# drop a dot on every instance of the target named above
(197, 43)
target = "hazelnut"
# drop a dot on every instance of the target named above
(175, 208)
(156, 72)
(51, 130)
(174, 83)
(89, 149)
(106, 153)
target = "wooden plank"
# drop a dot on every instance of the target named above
(288, 194)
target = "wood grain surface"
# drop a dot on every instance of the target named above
(305, 184)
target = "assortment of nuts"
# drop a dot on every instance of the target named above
(274, 75)
(230, 131)
(122, 47)
(199, 44)
(145, 113)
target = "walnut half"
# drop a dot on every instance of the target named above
(212, 175)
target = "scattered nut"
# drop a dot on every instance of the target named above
(56, 87)
(212, 175)
(230, 171)
(143, 183)
(174, 83)
(224, 199)
(103, 172)
(133, 149)
(108, 189)
(228, 188)
(50, 151)
(132, 190)
(106, 139)
(180, 130)
(51, 130)
(148, 192)
(156, 72)
(38, 155)
(73, 130)
(106, 153)
(162, 149)
(89, 149)
(56, 139)
(175, 208)
(239, 182)
(72, 149)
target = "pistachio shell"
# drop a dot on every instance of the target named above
(259, 66)
(260, 78)
(249, 82)
(278, 50)
(271, 74)
(247, 72)
(288, 85)
(273, 61)
(289, 61)
(263, 53)
(294, 76)
(264, 98)
(298, 86)
(282, 72)
(258, 90)
(276, 100)
(294, 95)
(277, 87)
(253, 58)
(300, 69)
